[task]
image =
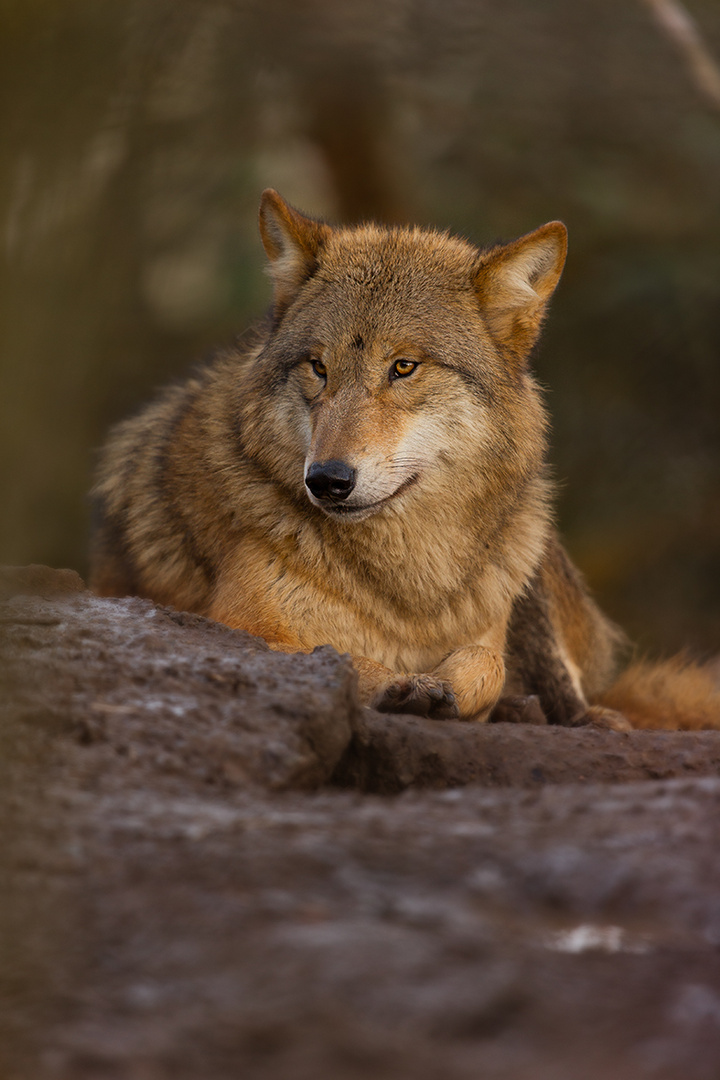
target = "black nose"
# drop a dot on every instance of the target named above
(330, 480)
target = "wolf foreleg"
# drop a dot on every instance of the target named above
(477, 676)
(390, 691)
(466, 685)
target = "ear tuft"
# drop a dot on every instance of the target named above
(292, 243)
(514, 284)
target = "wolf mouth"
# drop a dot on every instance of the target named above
(349, 511)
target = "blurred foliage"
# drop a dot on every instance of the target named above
(136, 138)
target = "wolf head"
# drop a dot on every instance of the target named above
(396, 368)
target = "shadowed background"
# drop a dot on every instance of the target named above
(136, 138)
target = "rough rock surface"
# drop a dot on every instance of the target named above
(153, 683)
(175, 903)
(390, 753)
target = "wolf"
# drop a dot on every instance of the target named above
(369, 471)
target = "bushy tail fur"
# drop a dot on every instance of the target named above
(671, 695)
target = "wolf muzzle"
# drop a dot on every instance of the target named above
(330, 480)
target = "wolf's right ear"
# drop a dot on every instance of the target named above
(292, 242)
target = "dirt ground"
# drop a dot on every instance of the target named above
(214, 864)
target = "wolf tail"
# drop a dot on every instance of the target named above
(671, 695)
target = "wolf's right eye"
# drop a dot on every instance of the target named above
(319, 369)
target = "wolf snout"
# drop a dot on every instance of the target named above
(330, 480)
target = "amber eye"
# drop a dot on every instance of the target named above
(319, 369)
(402, 368)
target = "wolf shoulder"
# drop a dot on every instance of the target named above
(172, 488)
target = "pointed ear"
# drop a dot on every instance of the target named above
(515, 282)
(292, 242)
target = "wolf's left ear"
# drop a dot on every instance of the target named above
(514, 284)
(292, 242)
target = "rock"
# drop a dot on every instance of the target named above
(560, 933)
(167, 690)
(176, 694)
(390, 753)
(170, 909)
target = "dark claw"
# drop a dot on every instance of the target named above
(420, 695)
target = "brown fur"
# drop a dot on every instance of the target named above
(440, 572)
(675, 694)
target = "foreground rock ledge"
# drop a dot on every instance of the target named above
(153, 689)
(388, 754)
(170, 911)
(169, 691)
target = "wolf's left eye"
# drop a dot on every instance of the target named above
(319, 369)
(402, 368)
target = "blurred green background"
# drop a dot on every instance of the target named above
(137, 136)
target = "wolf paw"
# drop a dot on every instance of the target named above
(525, 709)
(599, 717)
(420, 695)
